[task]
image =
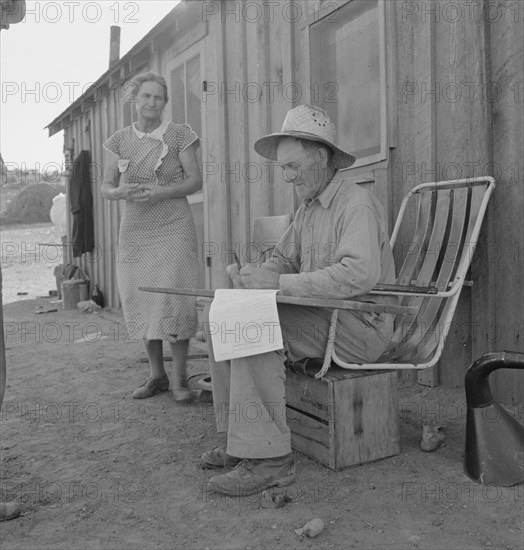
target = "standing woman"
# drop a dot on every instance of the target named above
(152, 166)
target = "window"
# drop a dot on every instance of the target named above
(347, 71)
(185, 97)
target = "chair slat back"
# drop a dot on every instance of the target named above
(439, 268)
(413, 250)
(448, 224)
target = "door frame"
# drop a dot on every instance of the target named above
(200, 197)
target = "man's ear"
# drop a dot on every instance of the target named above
(322, 157)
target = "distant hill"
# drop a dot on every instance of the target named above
(27, 197)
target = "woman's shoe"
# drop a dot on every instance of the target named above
(182, 393)
(151, 386)
(9, 510)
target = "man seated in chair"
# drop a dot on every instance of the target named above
(336, 247)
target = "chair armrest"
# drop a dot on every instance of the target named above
(354, 305)
(299, 301)
(409, 289)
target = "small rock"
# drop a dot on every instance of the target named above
(272, 500)
(312, 528)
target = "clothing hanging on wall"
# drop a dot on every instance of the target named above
(81, 201)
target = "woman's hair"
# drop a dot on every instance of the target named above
(148, 76)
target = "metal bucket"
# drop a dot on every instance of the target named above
(494, 439)
(74, 291)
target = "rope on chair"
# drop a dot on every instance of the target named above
(330, 345)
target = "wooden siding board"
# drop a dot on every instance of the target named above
(402, 156)
(232, 88)
(110, 255)
(108, 283)
(480, 134)
(217, 188)
(68, 140)
(256, 101)
(97, 197)
(506, 253)
(286, 67)
(453, 117)
(101, 221)
(473, 148)
(86, 261)
(403, 173)
(425, 121)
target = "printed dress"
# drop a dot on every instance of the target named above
(157, 243)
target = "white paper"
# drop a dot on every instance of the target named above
(243, 323)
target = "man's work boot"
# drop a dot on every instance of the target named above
(254, 475)
(9, 510)
(218, 458)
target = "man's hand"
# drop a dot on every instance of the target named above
(232, 271)
(259, 277)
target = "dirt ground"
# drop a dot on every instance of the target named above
(95, 469)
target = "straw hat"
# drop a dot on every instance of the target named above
(305, 122)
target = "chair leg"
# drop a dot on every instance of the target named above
(330, 345)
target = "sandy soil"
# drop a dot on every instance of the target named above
(95, 469)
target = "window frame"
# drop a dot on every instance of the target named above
(182, 58)
(324, 10)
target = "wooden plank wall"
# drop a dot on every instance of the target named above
(506, 250)
(443, 133)
(409, 117)
(285, 65)
(472, 103)
(216, 187)
(439, 131)
(463, 138)
(100, 265)
(249, 62)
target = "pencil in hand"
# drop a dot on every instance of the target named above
(237, 261)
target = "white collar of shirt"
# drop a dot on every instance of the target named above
(157, 133)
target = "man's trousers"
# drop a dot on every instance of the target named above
(249, 393)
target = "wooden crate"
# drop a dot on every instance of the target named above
(348, 418)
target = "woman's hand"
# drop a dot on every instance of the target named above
(140, 193)
(119, 186)
(132, 192)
